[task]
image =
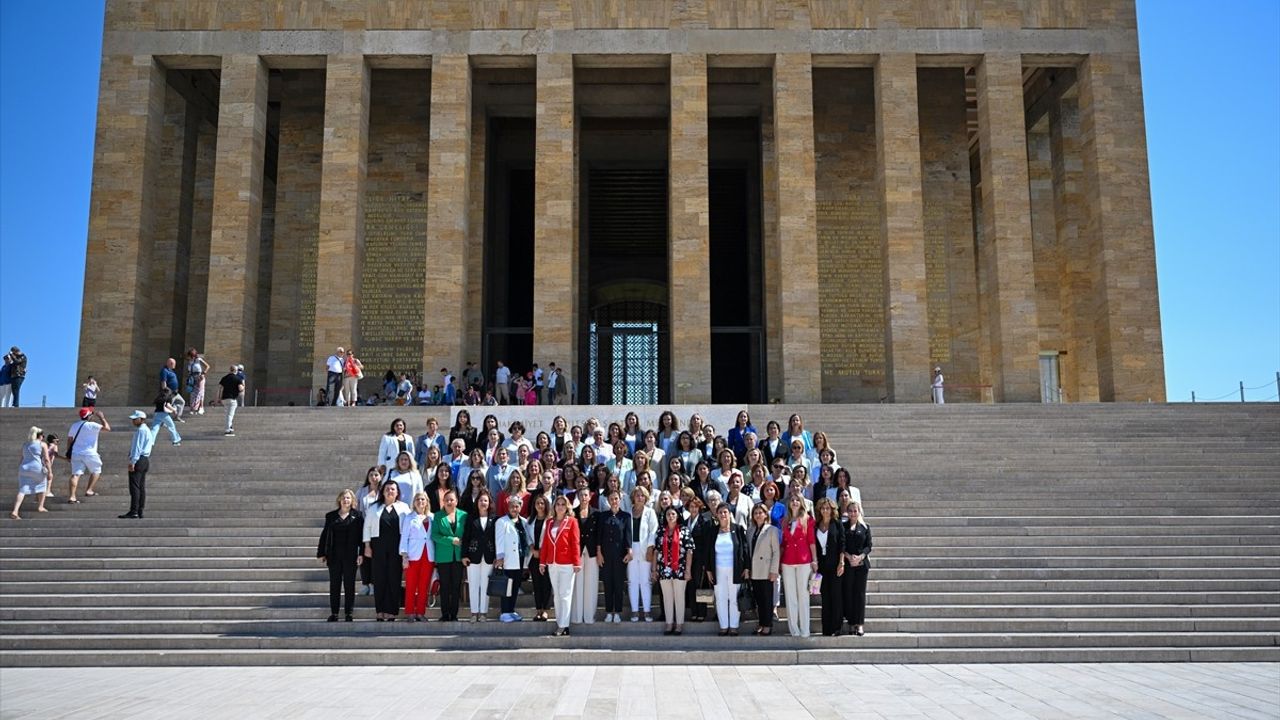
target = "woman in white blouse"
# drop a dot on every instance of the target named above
(393, 443)
(644, 528)
(406, 475)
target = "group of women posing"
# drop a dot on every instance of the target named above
(775, 521)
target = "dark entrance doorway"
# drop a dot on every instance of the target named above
(623, 272)
(508, 289)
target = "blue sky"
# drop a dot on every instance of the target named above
(1213, 128)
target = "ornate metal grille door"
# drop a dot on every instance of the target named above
(625, 346)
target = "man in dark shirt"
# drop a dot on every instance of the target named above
(232, 386)
(169, 382)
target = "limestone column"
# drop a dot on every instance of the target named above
(555, 227)
(690, 232)
(131, 94)
(899, 176)
(1118, 206)
(1080, 364)
(237, 213)
(797, 227)
(1006, 220)
(340, 248)
(448, 213)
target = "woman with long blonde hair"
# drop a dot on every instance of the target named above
(857, 549)
(339, 549)
(799, 562)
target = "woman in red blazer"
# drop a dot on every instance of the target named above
(560, 559)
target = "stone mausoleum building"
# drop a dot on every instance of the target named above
(676, 200)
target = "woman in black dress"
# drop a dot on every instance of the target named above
(382, 547)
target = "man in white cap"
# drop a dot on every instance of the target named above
(144, 438)
(937, 386)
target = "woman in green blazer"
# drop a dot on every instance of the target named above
(447, 527)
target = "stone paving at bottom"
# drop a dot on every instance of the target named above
(1121, 690)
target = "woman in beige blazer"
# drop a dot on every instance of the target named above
(765, 557)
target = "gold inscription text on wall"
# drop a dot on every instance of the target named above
(392, 283)
(851, 291)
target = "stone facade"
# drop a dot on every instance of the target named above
(275, 179)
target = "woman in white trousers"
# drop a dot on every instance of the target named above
(638, 582)
(586, 584)
(560, 557)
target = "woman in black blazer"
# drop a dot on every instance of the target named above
(462, 428)
(701, 527)
(479, 550)
(831, 562)
(857, 549)
(339, 548)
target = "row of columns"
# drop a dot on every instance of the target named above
(1116, 209)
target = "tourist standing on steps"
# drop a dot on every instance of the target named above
(480, 551)
(799, 562)
(32, 478)
(197, 370)
(89, 393)
(765, 559)
(447, 528)
(339, 549)
(352, 371)
(144, 439)
(502, 383)
(559, 560)
(857, 549)
(829, 535)
(937, 387)
(418, 558)
(169, 381)
(382, 546)
(334, 366)
(673, 566)
(231, 387)
(82, 450)
(17, 363)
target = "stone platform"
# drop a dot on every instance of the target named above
(1008, 533)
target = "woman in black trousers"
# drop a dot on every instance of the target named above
(857, 549)
(702, 529)
(541, 581)
(382, 547)
(831, 561)
(339, 548)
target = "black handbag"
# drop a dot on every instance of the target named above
(499, 584)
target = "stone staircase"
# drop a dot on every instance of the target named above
(1010, 533)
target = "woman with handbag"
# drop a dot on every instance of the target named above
(418, 558)
(561, 560)
(479, 555)
(673, 568)
(830, 535)
(765, 560)
(447, 528)
(382, 547)
(352, 371)
(857, 549)
(730, 564)
(644, 526)
(339, 549)
(799, 562)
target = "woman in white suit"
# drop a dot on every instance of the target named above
(392, 444)
(418, 558)
(644, 528)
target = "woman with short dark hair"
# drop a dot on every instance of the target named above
(447, 528)
(480, 551)
(730, 564)
(673, 566)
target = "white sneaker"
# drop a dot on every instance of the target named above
(617, 617)
(648, 618)
(635, 618)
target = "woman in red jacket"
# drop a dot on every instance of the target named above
(560, 559)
